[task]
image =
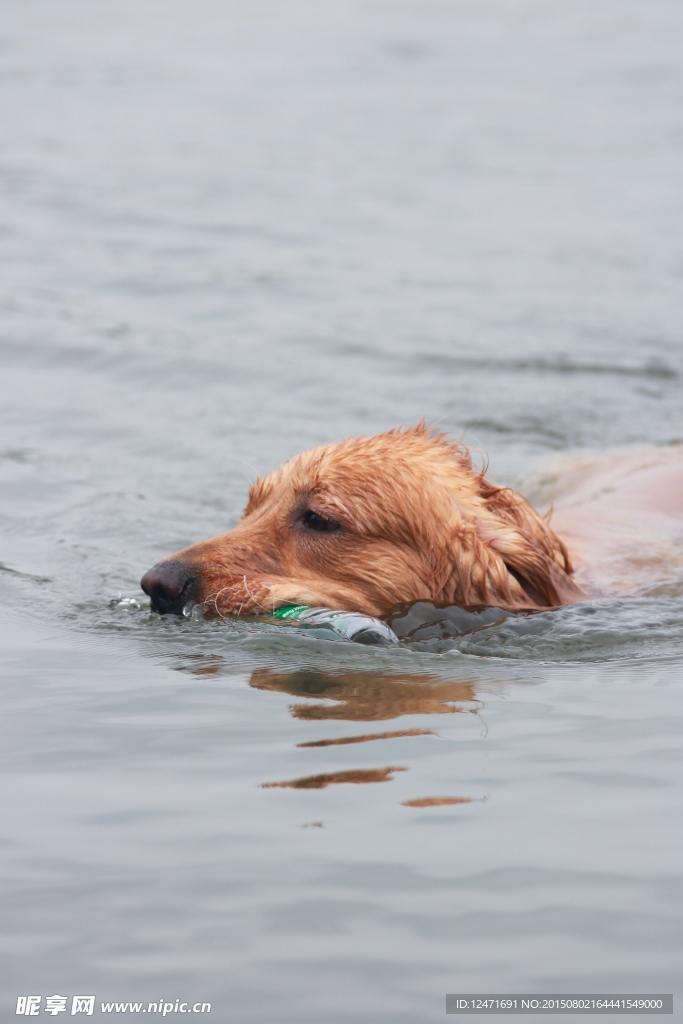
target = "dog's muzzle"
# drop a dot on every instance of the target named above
(171, 588)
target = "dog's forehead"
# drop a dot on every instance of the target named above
(367, 476)
(408, 452)
(370, 476)
(350, 466)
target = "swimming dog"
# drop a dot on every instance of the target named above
(372, 522)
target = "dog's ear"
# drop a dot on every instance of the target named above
(535, 570)
(470, 572)
(496, 550)
(258, 492)
(534, 557)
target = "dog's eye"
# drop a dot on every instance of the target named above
(318, 523)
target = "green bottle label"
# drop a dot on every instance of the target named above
(291, 611)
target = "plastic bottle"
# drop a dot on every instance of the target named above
(360, 629)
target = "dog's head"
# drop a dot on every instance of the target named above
(369, 523)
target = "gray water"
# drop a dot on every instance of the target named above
(230, 231)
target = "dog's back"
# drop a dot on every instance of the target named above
(621, 516)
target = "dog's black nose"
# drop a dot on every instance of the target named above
(170, 585)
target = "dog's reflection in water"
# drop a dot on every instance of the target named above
(360, 697)
(366, 696)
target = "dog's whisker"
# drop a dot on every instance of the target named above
(215, 602)
(254, 599)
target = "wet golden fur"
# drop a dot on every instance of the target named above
(416, 520)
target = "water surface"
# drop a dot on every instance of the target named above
(231, 231)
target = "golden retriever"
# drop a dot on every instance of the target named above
(372, 522)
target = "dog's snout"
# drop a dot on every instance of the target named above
(170, 586)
